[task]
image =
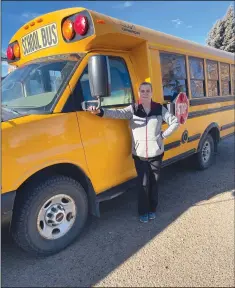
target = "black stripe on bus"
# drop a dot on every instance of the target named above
(209, 111)
(177, 143)
(227, 126)
(194, 137)
(178, 157)
(211, 100)
(172, 145)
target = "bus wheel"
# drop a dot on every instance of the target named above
(49, 217)
(205, 156)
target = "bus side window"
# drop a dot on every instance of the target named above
(233, 78)
(212, 78)
(174, 79)
(225, 79)
(197, 78)
(84, 86)
(121, 89)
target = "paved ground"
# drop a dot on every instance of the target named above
(190, 244)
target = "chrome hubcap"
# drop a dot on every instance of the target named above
(56, 217)
(206, 151)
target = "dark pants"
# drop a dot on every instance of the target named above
(148, 173)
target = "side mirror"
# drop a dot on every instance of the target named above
(98, 76)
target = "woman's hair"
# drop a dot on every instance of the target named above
(146, 83)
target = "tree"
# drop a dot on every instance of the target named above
(222, 34)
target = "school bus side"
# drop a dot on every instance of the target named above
(211, 95)
(209, 84)
(96, 152)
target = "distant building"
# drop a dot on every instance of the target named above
(10, 67)
(3, 57)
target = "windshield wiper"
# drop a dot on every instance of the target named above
(6, 107)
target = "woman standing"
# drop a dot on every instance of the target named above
(146, 118)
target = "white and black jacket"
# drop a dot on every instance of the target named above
(146, 129)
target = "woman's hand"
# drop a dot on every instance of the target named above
(93, 110)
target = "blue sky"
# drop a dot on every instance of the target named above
(190, 20)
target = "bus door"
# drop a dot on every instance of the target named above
(107, 142)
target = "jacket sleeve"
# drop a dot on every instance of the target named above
(125, 113)
(172, 122)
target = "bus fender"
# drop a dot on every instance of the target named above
(216, 135)
(71, 170)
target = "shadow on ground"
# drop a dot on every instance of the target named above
(109, 241)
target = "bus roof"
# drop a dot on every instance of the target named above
(111, 33)
(160, 39)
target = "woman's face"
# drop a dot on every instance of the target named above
(145, 93)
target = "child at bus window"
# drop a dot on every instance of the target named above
(146, 118)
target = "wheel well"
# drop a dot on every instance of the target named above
(214, 131)
(65, 169)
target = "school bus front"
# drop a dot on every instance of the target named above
(50, 34)
(54, 155)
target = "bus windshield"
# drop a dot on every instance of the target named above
(37, 85)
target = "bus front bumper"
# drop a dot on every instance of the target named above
(7, 203)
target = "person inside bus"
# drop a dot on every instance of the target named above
(146, 118)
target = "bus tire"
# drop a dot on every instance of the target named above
(49, 216)
(204, 157)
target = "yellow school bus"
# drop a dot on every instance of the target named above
(59, 161)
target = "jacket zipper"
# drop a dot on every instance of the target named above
(147, 137)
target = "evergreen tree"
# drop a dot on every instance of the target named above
(222, 34)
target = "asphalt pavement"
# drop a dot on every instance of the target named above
(190, 244)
